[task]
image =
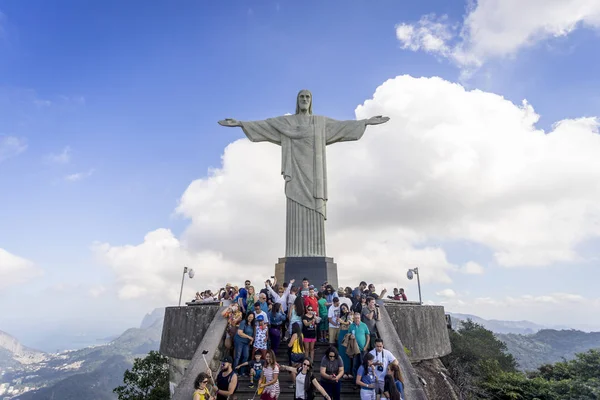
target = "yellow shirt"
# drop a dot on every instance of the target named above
(202, 393)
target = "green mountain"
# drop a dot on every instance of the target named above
(548, 346)
(91, 372)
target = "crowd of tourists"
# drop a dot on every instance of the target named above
(299, 316)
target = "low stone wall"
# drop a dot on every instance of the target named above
(184, 329)
(421, 328)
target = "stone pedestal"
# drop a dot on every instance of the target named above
(316, 269)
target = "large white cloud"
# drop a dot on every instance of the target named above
(494, 28)
(15, 270)
(451, 165)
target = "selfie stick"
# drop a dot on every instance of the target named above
(205, 352)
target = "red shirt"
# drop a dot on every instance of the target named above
(313, 302)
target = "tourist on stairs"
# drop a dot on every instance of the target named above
(383, 358)
(251, 299)
(227, 380)
(334, 326)
(332, 371)
(296, 346)
(276, 318)
(311, 299)
(359, 331)
(345, 321)
(256, 369)
(200, 384)
(305, 382)
(324, 324)
(296, 312)
(366, 378)
(309, 330)
(393, 387)
(261, 337)
(271, 372)
(243, 340)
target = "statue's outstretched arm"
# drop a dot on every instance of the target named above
(230, 122)
(377, 120)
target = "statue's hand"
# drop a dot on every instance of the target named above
(230, 122)
(377, 120)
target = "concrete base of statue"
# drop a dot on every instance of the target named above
(316, 269)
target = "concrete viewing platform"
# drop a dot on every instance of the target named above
(414, 333)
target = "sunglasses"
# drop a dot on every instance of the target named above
(306, 365)
(332, 356)
(205, 382)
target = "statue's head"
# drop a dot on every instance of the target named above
(304, 102)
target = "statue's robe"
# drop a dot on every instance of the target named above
(303, 165)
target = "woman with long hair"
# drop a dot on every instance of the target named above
(296, 311)
(243, 340)
(366, 378)
(394, 384)
(345, 320)
(202, 391)
(304, 381)
(309, 330)
(296, 345)
(251, 298)
(276, 320)
(270, 386)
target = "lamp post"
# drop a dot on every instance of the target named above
(415, 271)
(190, 273)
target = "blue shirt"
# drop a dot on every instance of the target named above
(329, 298)
(276, 319)
(264, 306)
(360, 332)
(366, 378)
(248, 330)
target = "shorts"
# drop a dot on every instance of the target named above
(333, 334)
(310, 340)
(297, 357)
(257, 375)
(324, 324)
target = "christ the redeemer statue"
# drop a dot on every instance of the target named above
(303, 138)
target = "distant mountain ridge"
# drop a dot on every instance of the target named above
(92, 372)
(548, 346)
(532, 344)
(13, 352)
(499, 326)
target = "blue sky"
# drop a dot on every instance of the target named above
(130, 92)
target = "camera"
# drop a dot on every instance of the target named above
(380, 368)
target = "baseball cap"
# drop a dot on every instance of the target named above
(260, 318)
(227, 359)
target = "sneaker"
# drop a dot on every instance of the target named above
(251, 385)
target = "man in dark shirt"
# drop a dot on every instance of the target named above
(226, 380)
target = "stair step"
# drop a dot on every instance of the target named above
(348, 390)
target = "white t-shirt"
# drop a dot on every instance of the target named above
(265, 316)
(300, 378)
(334, 314)
(346, 301)
(386, 358)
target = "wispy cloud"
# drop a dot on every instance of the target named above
(79, 176)
(11, 146)
(64, 157)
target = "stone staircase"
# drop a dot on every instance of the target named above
(348, 391)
